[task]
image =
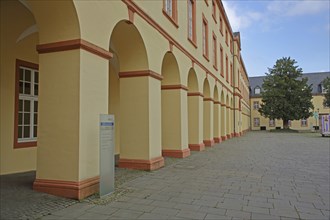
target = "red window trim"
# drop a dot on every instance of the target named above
(215, 51)
(174, 18)
(194, 39)
(20, 63)
(214, 11)
(227, 37)
(221, 24)
(206, 54)
(227, 76)
(221, 62)
(231, 73)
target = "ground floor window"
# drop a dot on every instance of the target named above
(304, 123)
(26, 104)
(256, 122)
(271, 123)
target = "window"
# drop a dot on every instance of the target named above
(227, 69)
(26, 104)
(256, 105)
(221, 61)
(256, 122)
(257, 90)
(221, 25)
(192, 21)
(214, 11)
(289, 123)
(227, 37)
(304, 122)
(205, 38)
(215, 65)
(170, 10)
(271, 123)
(231, 73)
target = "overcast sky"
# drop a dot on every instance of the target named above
(271, 30)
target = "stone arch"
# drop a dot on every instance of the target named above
(127, 43)
(192, 81)
(206, 89)
(174, 108)
(54, 17)
(170, 70)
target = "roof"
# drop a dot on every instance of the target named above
(313, 78)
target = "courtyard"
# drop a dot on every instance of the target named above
(261, 175)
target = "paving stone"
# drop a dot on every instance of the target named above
(165, 211)
(258, 216)
(256, 209)
(238, 214)
(152, 216)
(219, 217)
(205, 203)
(191, 214)
(140, 207)
(105, 210)
(210, 210)
(261, 204)
(90, 215)
(187, 207)
(125, 213)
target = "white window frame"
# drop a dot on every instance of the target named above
(256, 120)
(255, 105)
(257, 89)
(32, 98)
(169, 7)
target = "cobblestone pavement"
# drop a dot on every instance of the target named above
(259, 176)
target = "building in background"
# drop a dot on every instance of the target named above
(170, 71)
(259, 122)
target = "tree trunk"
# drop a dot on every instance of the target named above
(285, 124)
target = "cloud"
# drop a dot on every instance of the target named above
(238, 19)
(297, 8)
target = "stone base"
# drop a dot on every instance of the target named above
(176, 153)
(148, 165)
(209, 143)
(223, 138)
(197, 147)
(217, 140)
(68, 189)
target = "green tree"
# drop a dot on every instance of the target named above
(286, 95)
(326, 85)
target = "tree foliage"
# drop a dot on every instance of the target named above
(286, 94)
(326, 85)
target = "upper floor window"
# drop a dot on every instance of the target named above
(227, 74)
(221, 61)
(257, 90)
(26, 104)
(231, 73)
(214, 11)
(256, 105)
(192, 21)
(215, 65)
(227, 37)
(205, 38)
(170, 10)
(221, 25)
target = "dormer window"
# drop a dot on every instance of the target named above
(257, 90)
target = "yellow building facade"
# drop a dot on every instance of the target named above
(258, 122)
(170, 71)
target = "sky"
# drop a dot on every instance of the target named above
(270, 30)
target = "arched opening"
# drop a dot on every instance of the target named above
(216, 117)
(19, 88)
(223, 117)
(195, 113)
(135, 100)
(232, 113)
(207, 115)
(228, 118)
(173, 95)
